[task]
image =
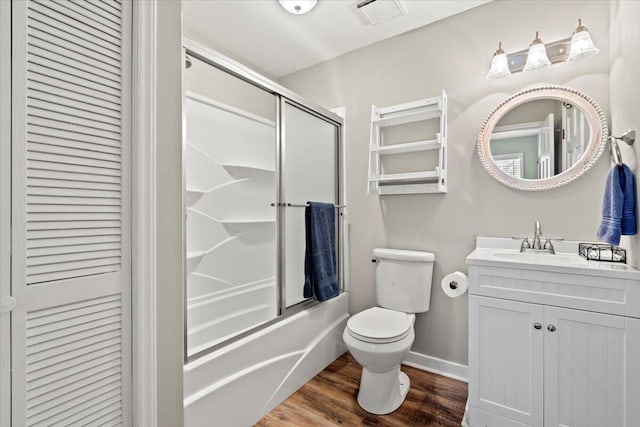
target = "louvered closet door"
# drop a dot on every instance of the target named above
(71, 258)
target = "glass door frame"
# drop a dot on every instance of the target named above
(283, 96)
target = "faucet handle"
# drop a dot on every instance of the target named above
(525, 243)
(549, 246)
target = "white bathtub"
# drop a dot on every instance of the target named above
(240, 383)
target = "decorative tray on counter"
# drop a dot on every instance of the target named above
(602, 252)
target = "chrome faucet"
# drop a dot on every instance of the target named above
(537, 245)
(537, 232)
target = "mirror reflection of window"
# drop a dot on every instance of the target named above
(548, 136)
(511, 164)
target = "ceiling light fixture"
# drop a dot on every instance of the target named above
(540, 55)
(298, 7)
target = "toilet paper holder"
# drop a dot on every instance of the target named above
(453, 284)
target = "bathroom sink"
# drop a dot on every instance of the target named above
(543, 258)
(505, 252)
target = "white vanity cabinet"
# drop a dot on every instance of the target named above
(553, 345)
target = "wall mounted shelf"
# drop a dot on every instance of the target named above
(420, 182)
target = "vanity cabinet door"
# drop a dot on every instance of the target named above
(506, 359)
(592, 378)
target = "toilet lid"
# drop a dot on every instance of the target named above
(378, 325)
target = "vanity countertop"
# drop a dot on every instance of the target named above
(504, 252)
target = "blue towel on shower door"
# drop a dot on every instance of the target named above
(320, 277)
(619, 206)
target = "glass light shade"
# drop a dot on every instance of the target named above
(298, 7)
(581, 46)
(499, 67)
(537, 58)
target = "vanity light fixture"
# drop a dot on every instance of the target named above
(537, 57)
(499, 64)
(540, 55)
(581, 44)
(298, 7)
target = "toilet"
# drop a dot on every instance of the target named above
(379, 338)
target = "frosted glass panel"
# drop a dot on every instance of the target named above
(309, 175)
(230, 167)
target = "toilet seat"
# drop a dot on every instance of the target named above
(379, 325)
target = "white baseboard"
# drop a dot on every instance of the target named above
(437, 366)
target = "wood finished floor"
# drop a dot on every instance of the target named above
(329, 399)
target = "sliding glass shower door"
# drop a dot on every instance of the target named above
(253, 158)
(309, 173)
(230, 168)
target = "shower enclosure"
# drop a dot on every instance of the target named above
(254, 155)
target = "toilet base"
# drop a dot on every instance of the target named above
(383, 393)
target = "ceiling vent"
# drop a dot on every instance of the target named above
(374, 12)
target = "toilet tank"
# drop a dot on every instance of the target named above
(403, 279)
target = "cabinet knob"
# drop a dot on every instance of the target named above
(551, 328)
(537, 325)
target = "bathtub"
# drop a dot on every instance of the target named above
(240, 383)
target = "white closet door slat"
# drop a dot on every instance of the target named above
(70, 99)
(37, 253)
(43, 72)
(79, 113)
(43, 218)
(53, 154)
(67, 184)
(41, 17)
(106, 7)
(110, 333)
(57, 166)
(77, 15)
(40, 387)
(83, 370)
(51, 60)
(76, 63)
(71, 241)
(96, 12)
(92, 13)
(39, 133)
(54, 120)
(71, 225)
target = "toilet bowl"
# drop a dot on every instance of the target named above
(380, 351)
(379, 338)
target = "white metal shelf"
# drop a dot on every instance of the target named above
(426, 181)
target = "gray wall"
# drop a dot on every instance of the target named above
(454, 54)
(169, 215)
(625, 90)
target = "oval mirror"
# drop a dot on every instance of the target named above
(542, 138)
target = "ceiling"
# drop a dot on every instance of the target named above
(280, 43)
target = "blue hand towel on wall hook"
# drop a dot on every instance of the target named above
(320, 273)
(619, 206)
